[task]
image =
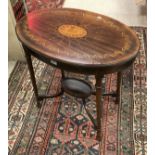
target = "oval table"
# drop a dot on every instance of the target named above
(78, 41)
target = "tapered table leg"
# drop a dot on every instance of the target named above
(32, 75)
(99, 105)
(119, 83)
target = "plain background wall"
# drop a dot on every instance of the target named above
(15, 50)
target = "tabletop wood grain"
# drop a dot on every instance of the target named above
(78, 37)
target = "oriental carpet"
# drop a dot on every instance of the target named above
(62, 127)
(22, 7)
(42, 4)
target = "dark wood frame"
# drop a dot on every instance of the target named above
(113, 39)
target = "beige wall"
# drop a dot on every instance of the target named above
(125, 11)
(15, 50)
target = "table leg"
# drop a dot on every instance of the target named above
(119, 83)
(99, 106)
(32, 75)
(62, 74)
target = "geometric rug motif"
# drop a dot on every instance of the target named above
(140, 97)
(62, 126)
(43, 4)
(21, 7)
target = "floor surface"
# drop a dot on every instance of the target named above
(11, 65)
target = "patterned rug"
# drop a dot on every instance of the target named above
(62, 127)
(21, 7)
(42, 4)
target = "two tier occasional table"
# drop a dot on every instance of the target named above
(78, 41)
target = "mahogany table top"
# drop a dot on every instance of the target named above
(78, 37)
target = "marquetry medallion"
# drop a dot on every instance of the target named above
(72, 31)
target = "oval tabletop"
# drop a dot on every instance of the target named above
(78, 37)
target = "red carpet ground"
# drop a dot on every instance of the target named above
(62, 127)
